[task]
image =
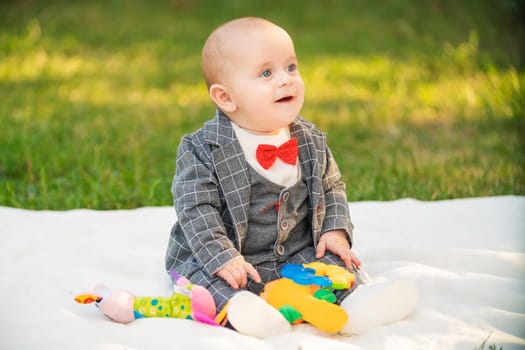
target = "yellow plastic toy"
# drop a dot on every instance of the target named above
(340, 277)
(305, 294)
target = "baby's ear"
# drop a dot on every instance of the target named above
(221, 96)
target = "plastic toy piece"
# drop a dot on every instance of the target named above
(304, 275)
(305, 294)
(324, 294)
(340, 277)
(320, 313)
(291, 314)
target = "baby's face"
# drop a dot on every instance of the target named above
(264, 81)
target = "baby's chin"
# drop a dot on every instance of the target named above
(290, 119)
(284, 124)
(269, 130)
(270, 126)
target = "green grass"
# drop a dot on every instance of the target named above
(422, 99)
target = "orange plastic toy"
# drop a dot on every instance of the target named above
(285, 293)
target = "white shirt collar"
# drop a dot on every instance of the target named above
(280, 172)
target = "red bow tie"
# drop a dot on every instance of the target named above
(267, 154)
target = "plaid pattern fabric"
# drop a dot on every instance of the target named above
(211, 191)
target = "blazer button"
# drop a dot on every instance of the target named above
(280, 249)
(284, 225)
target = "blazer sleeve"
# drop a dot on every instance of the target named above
(197, 203)
(337, 214)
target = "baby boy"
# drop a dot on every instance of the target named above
(257, 186)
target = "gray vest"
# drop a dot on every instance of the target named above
(278, 220)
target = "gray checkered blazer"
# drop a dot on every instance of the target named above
(211, 191)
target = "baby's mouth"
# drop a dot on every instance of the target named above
(285, 99)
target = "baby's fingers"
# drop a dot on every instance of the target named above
(349, 258)
(252, 272)
(321, 249)
(231, 276)
(346, 256)
(355, 260)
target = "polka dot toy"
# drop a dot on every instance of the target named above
(188, 301)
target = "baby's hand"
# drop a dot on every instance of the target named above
(236, 273)
(337, 243)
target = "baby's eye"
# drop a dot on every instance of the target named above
(292, 68)
(266, 74)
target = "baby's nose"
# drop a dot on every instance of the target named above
(284, 78)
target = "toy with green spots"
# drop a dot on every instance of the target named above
(188, 301)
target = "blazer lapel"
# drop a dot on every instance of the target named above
(309, 158)
(232, 172)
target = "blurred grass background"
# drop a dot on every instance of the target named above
(422, 99)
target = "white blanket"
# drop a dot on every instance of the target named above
(467, 256)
